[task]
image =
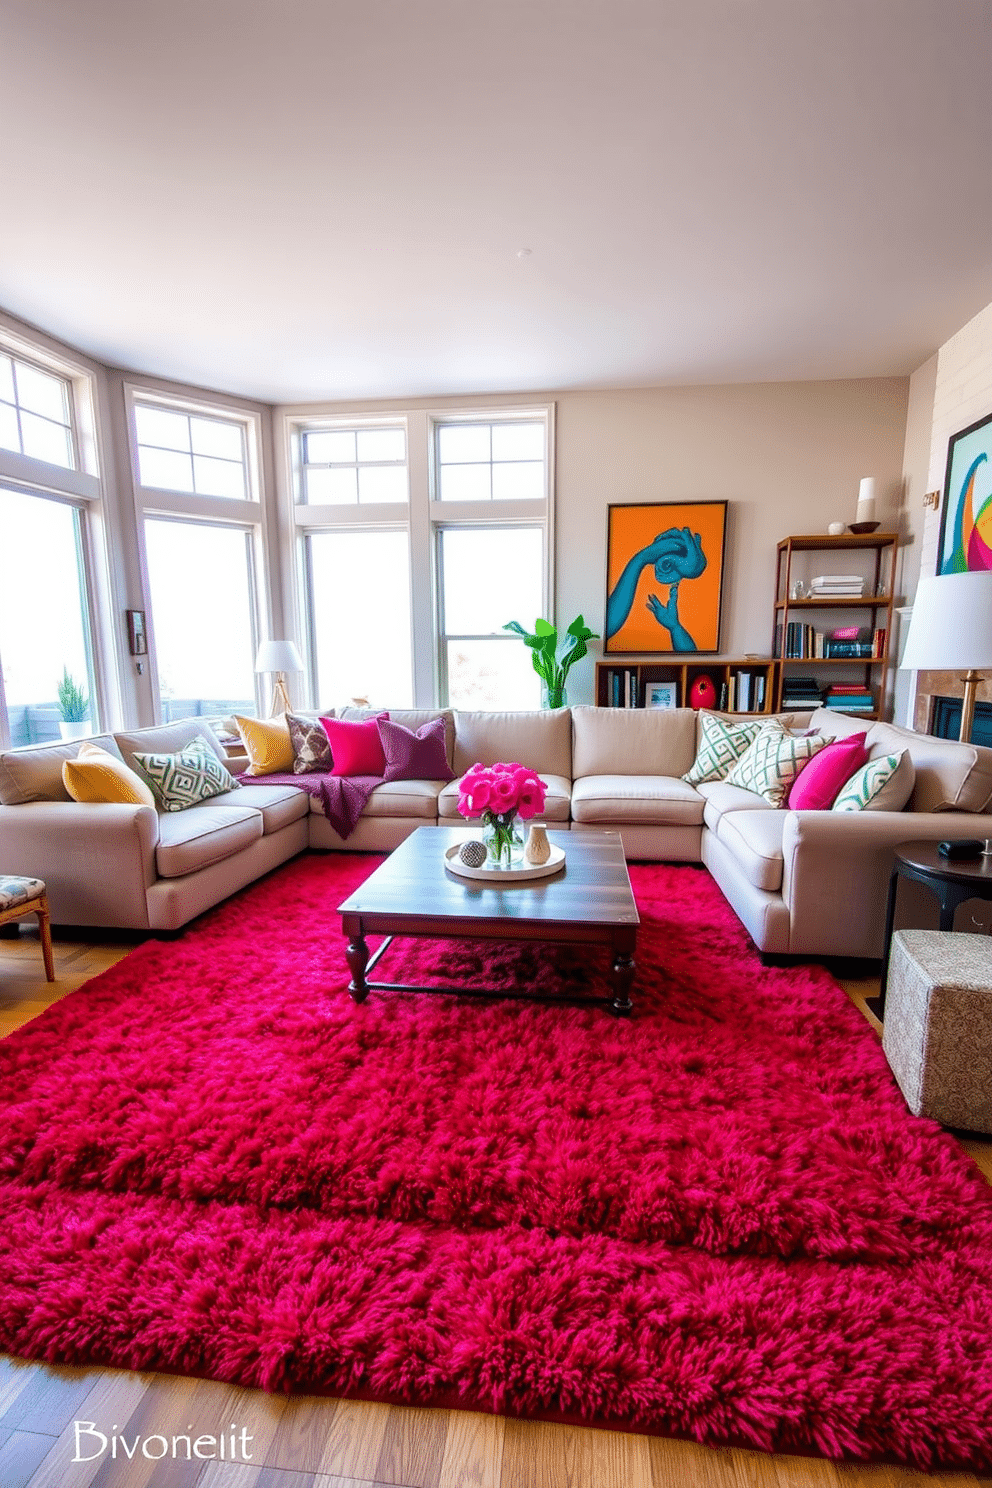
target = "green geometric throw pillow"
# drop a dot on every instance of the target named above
(884, 784)
(720, 747)
(184, 779)
(770, 765)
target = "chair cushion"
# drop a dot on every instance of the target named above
(755, 839)
(194, 839)
(267, 742)
(96, 775)
(15, 891)
(557, 800)
(650, 799)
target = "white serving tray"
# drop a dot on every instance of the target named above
(525, 872)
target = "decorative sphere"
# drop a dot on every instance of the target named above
(473, 854)
(702, 693)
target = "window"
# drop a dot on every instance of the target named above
(179, 451)
(354, 466)
(35, 413)
(483, 665)
(204, 552)
(201, 582)
(421, 536)
(44, 618)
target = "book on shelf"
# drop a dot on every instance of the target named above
(859, 650)
(878, 642)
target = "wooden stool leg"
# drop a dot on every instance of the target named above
(45, 926)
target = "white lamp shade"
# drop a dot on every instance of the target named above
(278, 656)
(950, 629)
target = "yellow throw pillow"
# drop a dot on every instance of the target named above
(95, 775)
(270, 749)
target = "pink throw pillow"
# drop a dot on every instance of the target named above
(355, 745)
(414, 756)
(818, 784)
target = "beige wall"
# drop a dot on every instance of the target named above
(787, 456)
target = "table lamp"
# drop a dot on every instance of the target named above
(279, 657)
(950, 630)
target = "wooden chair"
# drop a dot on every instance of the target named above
(24, 896)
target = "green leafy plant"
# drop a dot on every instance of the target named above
(553, 658)
(73, 702)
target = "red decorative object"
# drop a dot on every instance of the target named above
(702, 693)
(717, 1220)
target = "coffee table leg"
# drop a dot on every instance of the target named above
(358, 958)
(622, 977)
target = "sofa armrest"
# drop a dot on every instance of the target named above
(837, 866)
(97, 860)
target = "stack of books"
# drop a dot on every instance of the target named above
(838, 586)
(850, 697)
(800, 692)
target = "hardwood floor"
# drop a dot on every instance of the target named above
(307, 1442)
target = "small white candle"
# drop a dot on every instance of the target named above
(866, 500)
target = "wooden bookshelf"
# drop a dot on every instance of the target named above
(749, 679)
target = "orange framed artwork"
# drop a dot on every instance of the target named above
(664, 577)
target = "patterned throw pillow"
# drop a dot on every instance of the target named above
(883, 784)
(184, 779)
(311, 749)
(267, 743)
(771, 763)
(720, 748)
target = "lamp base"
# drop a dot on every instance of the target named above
(280, 697)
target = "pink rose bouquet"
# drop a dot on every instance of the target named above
(499, 793)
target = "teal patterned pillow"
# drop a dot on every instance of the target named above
(720, 747)
(184, 779)
(883, 784)
(771, 763)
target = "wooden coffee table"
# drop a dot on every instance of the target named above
(589, 902)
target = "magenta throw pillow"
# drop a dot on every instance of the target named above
(355, 745)
(817, 785)
(414, 756)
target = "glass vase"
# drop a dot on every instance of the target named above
(503, 836)
(553, 697)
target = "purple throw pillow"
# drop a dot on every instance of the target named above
(414, 756)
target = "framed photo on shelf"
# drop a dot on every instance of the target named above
(665, 564)
(661, 694)
(965, 542)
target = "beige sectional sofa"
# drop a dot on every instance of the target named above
(803, 882)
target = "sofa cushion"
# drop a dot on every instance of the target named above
(719, 747)
(194, 839)
(355, 746)
(186, 778)
(278, 804)
(36, 774)
(267, 744)
(398, 798)
(542, 741)
(413, 718)
(833, 723)
(632, 741)
(883, 784)
(167, 738)
(659, 800)
(96, 775)
(414, 754)
(557, 800)
(721, 797)
(755, 839)
(817, 785)
(772, 762)
(950, 776)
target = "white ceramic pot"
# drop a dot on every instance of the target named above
(76, 730)
(538, 849)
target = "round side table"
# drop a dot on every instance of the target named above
(953, 880)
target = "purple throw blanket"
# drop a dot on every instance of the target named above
(342, 797)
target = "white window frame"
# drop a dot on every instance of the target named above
(422, 518)
(214, 511)
(82, 488)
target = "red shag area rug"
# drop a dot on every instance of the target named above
(716, 1220)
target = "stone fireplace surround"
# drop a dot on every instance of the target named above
(932, 685)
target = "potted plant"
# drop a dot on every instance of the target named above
(553, 658)
(74, 706)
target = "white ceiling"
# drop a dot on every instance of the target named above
(307, 199)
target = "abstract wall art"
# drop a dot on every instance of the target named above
(664, 576)
(966, 513)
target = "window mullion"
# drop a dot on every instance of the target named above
(427, 685)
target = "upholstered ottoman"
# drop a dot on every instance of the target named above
(938, 1025)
